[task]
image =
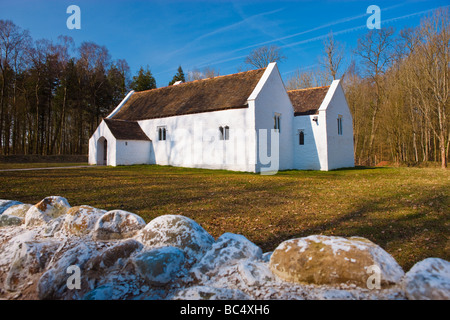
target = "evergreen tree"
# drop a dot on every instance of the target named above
(144, 80)
(178, 77)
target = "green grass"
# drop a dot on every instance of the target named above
(404, 210)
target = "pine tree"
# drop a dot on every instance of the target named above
(178, 77)
(144, 80)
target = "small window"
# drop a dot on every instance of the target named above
(339, 125)
(301, 137)
(224, 133)
(227, 133)
(162, 133)
(277, 122)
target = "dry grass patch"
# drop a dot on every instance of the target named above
(404, 210)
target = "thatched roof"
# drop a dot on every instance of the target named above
(307, 101)
(219, 93)
(126, 130)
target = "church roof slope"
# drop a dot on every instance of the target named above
(207, 95)
(307, 101)
(126, 130)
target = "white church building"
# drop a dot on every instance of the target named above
(242, 122)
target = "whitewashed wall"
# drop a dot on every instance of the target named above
(270, 98)
(102, 131)
(129, 152)
(193, 140)
(340, 147)
(313, 154)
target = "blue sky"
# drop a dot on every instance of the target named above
(216, 34)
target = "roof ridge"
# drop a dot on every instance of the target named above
(112, 119)
(312, 88)
(194, 81)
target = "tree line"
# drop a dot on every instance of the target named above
(50, 99)
(54, 94)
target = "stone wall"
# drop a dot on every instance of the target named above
(35, 158)
(51, 250)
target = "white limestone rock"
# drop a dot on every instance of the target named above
(53, 226)
(104, 292)
(14, 243)
(7, 220)
(45, 210)
(255, 272)
(118, 253)
(5, 204)
(266, 256)
(335, 294)
(177, 231)
(160, 265)
(333, 260)
(125, 289)
(30, 258)
(108, 291)
(53, 283)
(80, 220)
(210, 293)
(229, 248)
(428, 279)
(14, 215)
(18, 210)
(117, 224)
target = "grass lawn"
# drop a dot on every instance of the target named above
(404, 210)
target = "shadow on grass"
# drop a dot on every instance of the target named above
(410, 231)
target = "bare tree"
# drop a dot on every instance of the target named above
(333, 53)
(210, 72)
(94, 61)
(301, 80)
(376, 51)
(430, 76)
(262, 56)
(195, 74)
(124, 69)
(205, 73)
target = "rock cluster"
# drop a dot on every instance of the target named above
(51, 250)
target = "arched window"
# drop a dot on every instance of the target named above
(105, 151)
(339, 125)
(277, 122)
(301, 137)
(224, 133)
(162, 132)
